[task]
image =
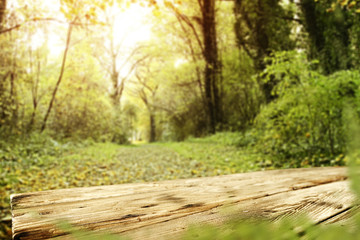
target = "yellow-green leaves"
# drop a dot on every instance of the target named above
(350, 5)
(82, 11)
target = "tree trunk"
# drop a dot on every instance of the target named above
(114, 75)
(2, 12)
(329, 36)
(212, 69)
(60, 77)
(259, 33)
(13, 101)
(212, 73)
(115, 94)
(34, 90)
(152, 137)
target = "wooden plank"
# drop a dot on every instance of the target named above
(135, 209)
(318, 202)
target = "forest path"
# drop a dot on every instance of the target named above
(154, 162)
(166, 161)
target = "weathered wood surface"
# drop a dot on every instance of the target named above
(169, 207)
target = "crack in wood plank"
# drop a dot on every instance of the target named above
(334, 215)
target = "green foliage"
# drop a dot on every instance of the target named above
(259, 33)
(234, 139)
(249, 229)
(289, 229)
(10, 90)
(329, 34)
(352, 126)
(304, 125)
(188, 121)
(242, 93)
(88, 114)
(257, 29)
(122, 125)
(82, 108)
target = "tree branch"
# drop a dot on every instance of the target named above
(182, 17)
(44, 19)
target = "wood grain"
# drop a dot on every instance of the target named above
(170, 207)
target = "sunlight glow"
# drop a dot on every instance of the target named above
(37, 40)
(179, 62)
(131, 26)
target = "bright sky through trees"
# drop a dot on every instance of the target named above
(131, 25)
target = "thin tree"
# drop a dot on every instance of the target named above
(34, 87)
(68, 39)
(146, 89)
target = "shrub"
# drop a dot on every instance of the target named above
(305, 122)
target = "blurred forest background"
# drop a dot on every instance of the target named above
(244, 84)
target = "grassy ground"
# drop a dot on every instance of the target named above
(44, 164)
(50, 165)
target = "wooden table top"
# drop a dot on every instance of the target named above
(135, 210)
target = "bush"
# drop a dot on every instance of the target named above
(241, 92)
(189, 121)
(305, 122)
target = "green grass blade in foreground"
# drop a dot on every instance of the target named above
(352, 125)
